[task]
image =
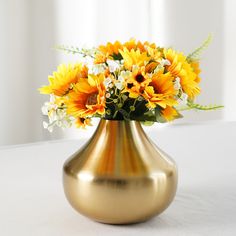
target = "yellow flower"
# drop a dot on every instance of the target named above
(82, 122)
(100, 58)
(150, 67)
(133, 57)
(169, 113)
(61, 80)
(110, 48)
(132, 44)
(197, 71)
(181, 68)
(137, 81)
(87, 97)
(155, 53)
(160, 91)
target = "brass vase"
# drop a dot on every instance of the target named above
(119, 176)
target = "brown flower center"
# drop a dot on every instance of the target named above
(82, 119)
(130, 85)
(139, 78)
(92, 99)
(156, 88)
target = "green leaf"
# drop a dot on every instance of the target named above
(191, 105)
(194, 56)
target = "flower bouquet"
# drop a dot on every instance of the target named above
(129, 81)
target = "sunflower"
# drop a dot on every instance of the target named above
(87, 97)
(196, 69)
(160, 90)
(82, 122)
(181, 68)
(110, 48)
(137, 81)
(134, 57)
(132, 44)
(155, 53)
(61, 80)
(169, 113)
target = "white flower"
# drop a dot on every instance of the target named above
(56, 117)
(125, 74)
(96, 68)
(45, 125)
(113, 65)
(119, 85)
(120, 82)
(177, 84)
(158, 68)
(183, 100)
(45, 109)
(108, 95)
(165, 62)
(107, 81)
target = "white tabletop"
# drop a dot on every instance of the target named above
(32, 201)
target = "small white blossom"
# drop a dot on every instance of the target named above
(56, 116)
(45, 109)
(177, 84)
(111, 85)
(183, 100)
(119, 85)
(108, 95)
(120, 82)
(45, 125)
(96, 69)
(107, 81)
(165, 62)
(113, 65)
(125, 74)
(158, 68)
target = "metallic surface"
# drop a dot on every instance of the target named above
(119, 176)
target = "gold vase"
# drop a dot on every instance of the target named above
(119, 176)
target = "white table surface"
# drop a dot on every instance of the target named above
(32, 201)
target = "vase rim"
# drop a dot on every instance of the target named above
(123, 121)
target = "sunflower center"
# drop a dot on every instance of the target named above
(156, 88)
(92, 99)
(139, 78)
(82, 119)
(130, 85)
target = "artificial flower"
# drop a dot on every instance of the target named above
(160, 91)
(179, 67)
(87, 97)
(133, 58)
(62, 79)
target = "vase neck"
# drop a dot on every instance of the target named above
(119, 129)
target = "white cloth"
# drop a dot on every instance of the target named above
(32, 201)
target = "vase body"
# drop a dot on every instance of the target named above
(119, 176)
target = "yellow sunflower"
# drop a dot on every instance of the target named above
(196, 69)
(169, 113)
(110, 48)
(137, 81)
(61, 80)
(133, 44)
(161, 90)
(134, 57)
(181, 68)
(87, 97)
(82, 122)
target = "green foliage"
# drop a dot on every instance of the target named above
(191, 105)
(68, 49)
(194, 56)
(76, 50)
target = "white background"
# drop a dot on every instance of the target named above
(30, 28)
